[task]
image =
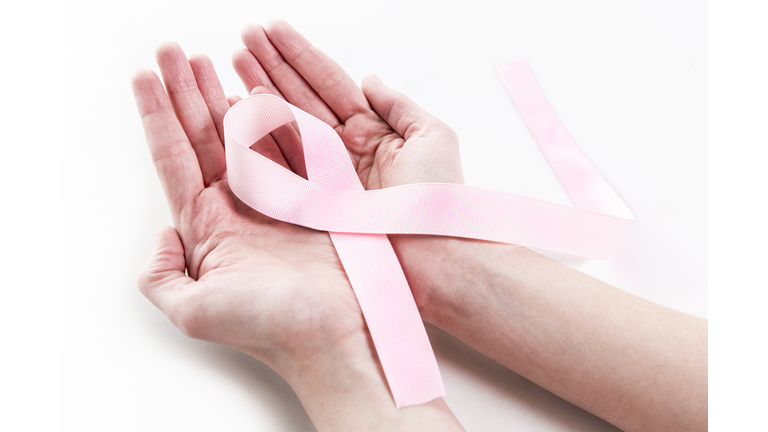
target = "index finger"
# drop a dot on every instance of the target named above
(172, 154)
(324, 75)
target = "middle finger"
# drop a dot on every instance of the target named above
(290, 82)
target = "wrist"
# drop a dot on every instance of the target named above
(332, 384)
(343, 388)
(441, 271)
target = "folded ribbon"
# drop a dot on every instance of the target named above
(333, 200)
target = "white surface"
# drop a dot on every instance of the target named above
(737, 207)
(628, 79)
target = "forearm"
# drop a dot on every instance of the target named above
(343, 389)
(636, 364)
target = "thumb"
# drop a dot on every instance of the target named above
(163, 275)
(395, 108)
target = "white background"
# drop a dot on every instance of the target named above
(628, 79)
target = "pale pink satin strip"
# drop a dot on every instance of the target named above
(586, 187)
(334, 200)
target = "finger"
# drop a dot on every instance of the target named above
(162, 279)
(172, 154)
(288, 139)
(251, 73)
(211, 91)
(395, 108)
(191, 110)
(290, 83)
(324, 75)
(233, 99)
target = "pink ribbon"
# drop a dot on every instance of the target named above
(333, 200)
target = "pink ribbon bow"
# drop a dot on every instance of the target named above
(333, 200)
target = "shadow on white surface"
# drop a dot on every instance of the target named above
(262, 384)
(247, 386)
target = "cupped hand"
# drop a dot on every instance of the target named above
(390, 139)
(228, 274)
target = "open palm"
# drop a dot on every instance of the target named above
(258, 285)
(264, 287)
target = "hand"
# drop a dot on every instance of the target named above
(391, 141)
(271, 289)
(267, 288)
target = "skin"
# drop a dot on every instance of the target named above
(278, 292)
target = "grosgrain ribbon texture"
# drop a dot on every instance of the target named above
(333, 199)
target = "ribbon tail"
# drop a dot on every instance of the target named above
(392, 317)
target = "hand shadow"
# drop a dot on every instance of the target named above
(270, 392)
